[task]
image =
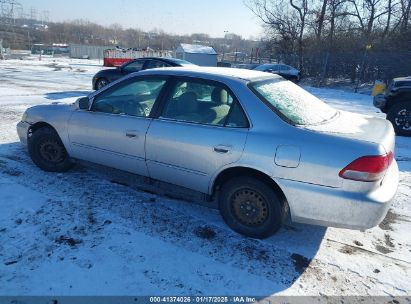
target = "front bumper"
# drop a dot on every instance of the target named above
(22, 131)
(335, 207)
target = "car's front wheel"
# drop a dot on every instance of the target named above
(251, 207)
(294, 79)
(101, 82)
(400, 117)
(48, 152)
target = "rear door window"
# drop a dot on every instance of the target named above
(152, 64)
(134, 66)
(204, 103)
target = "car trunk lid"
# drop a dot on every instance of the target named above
(359, 127)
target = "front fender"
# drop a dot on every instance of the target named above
(56, 115)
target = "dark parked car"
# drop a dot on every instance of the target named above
(285, 71)
(247, 66)
(104, 77)
(396, 103)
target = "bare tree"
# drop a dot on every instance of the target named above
(405, 15)
(321, 18)
(302, 8)
(367, 12)
(287, 19)
(336, 10)
(390, 11)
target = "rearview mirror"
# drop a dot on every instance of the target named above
(83, 103)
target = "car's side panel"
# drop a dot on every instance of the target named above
(189, 154)
(109, 139)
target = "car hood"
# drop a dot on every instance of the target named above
(50, 113)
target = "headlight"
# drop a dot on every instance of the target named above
(24, 117)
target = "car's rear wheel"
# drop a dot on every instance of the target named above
(48, 152)
(251, 207)
(101, 82)
(400, 117)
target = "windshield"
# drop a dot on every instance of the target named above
(293, 102)
(264, 67)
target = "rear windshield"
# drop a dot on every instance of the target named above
(292, 102)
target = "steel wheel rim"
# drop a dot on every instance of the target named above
(403, 120)
(249, 207)
(52, 151)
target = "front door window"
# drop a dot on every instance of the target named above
(134, 98)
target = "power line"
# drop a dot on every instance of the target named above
(8, 11)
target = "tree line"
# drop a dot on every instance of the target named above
(357, 39)
(25, 33)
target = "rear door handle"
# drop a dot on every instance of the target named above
(222, 149)
(131, 134)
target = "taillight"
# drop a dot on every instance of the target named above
(367, 168)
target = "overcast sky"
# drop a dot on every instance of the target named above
(173, 16)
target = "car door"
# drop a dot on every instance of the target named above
(112, 132)
(201, 128)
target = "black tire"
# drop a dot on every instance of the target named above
(294, 79)
(400, 117)
(251, 207)
(101, 82)
(48, 152)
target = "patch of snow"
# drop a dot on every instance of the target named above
(344, 123)
(295, 103)
(16, 198)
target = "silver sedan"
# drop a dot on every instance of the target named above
(261, 145)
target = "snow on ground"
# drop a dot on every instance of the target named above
(95, 231)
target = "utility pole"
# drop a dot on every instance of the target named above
(1, 49)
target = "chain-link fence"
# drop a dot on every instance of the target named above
(363, 66)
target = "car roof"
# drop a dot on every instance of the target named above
(197, 71)
(165, 59)
(408, 78)
(271, 64)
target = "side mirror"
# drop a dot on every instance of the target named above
(83, 103)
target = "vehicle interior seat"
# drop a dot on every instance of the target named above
(187, 106)
(133, 108)
(220, 111)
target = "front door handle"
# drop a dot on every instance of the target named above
(222, 149)
(131, 134)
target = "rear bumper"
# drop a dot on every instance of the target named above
(22, 131)
(335, 207)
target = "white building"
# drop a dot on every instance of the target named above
(197, 54)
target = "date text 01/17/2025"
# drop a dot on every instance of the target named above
(202, 299)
